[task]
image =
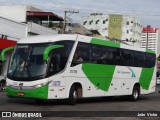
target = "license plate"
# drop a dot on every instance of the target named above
(20, 94)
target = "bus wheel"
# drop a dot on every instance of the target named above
(39, 101)
(73, 95)
(135, 93)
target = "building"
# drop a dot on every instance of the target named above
(149, 38)
(76, 28)
(121, 27)
(32, 17)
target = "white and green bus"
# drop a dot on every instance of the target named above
(76, 66)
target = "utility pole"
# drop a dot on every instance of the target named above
(65, 18)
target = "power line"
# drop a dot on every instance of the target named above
(84, 10)
(62, 4)
(65, 17)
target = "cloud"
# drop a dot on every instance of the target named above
(147, 11)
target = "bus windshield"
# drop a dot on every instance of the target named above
(27, 61)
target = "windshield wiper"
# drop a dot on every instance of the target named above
(16, 69)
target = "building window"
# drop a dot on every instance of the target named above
(97, 21)
(127, 31)
(90, 22)
(127, 23)
(84, 23)
(104, 22)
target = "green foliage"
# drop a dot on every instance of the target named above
(57, 25)
(50, 24)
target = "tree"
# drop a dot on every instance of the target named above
(50, 24)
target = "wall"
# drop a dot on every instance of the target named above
(38, 29)
(100, 26)
(16, 13)
(115, 26)
(13, 29)
(131, 30)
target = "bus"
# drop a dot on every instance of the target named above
(74, 66)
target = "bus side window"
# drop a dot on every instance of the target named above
(55, 63)
(139, 59)
(150, 60)
(126, 57)
(82, 54)
(97, 54)
(59, 57)
(113, 56)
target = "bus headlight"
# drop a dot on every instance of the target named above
(38, 85)
(7, 84)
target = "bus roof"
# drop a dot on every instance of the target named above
(47, 38)
(73, 37)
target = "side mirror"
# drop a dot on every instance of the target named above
(49, 49)
(4, 51)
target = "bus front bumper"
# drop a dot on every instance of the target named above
(38, 93)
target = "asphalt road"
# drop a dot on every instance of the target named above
(147, 103)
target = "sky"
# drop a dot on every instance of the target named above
(148, 11)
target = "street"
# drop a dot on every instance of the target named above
(146, 103)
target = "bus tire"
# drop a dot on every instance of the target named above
(135, 93)
(73, 95)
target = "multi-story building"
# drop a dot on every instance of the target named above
(149, 38)
(121, 27)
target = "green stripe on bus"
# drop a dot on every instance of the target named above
(146, 77)
(105, 43)
(100, 75)
(150, 51)
(39, 93)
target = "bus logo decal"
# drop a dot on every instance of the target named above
(133, 74)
